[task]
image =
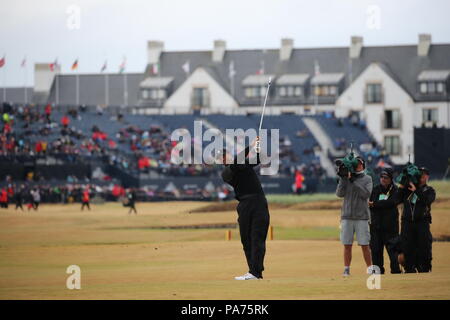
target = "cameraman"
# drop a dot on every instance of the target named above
(355, 188)
(384, 220)
(416, 220)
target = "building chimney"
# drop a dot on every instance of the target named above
(220, 47)
(424, 45)
(356, 47)
(287, 45)
(154, 49)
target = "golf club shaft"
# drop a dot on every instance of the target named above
(264, 106)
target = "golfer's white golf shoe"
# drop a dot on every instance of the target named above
(247, 276)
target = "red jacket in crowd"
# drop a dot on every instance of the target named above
(3, 196)
(299, 178)
(86, 196)
(48, 109)
(65, 121)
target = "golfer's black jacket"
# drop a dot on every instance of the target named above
(384, 213)
(421, 209)
(242, 177)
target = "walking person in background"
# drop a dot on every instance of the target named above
(85, 199)
(299, 178)
(384, 221)
(355, 215)
(19, 197)
(4, 198)
(416, 219)
(36, 198)
(131, 196)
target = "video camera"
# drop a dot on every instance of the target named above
(347, 164)
(410, 173)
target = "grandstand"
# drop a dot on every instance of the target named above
(110, 148)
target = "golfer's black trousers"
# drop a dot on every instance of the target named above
(253, 219)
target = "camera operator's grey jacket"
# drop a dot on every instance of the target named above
(356, 195)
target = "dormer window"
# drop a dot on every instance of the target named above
(255, 85)
(292, 85)
(327, 84)
(155, 88)
(433, 82)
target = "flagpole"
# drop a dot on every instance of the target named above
(106, 89)
(316, 68)
(232, 85)
(159, 84)
(4, 81)
(125, 89)
(25, 83)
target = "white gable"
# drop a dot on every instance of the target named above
(219, 99)
(353, 97)
(394, 97)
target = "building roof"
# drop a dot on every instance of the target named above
(17, 94)
(293, 79)
(97, 89)
(156, 82)
(434, 75)
(257, 79)
(402, 62)
(327, 78)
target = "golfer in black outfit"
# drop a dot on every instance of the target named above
(253, 212)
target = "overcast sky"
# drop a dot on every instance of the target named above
(43, 30)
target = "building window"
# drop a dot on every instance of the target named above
(332, 90)
(248, 92)
(282, 91)
(430, 115)
(374, 94)
(423, 87)
(298, 91)
(392, 119)
(199, 97)
(161, 94)
(392, 145)
(290, 91)
(144, 94)
(432, 87)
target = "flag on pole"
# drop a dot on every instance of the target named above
(53, 65)
(231, 70)
(24, 62)
(155, 68)
(75, 65)
(122, 65)
(104, 66)
(186, 66)
(2, 62)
